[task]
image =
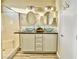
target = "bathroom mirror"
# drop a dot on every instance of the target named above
(31, 18)
(48, 18)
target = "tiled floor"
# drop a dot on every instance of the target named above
(19, 55)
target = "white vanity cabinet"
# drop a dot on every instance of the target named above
(49, 42)
(39, 43)
(28, 42)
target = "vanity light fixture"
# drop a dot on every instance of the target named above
(45, 8)
(52, 8)
(49, 8)
(30, 7)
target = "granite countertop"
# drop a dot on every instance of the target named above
(35, 33)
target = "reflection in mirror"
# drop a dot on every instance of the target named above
(23, 21)
(48, 18)
(39, 9)
(42, 20)
(54, 23)
(31, 18)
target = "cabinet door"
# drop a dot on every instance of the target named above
(49, 42)
(28, 41)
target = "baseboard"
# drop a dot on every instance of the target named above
(58, 55)
(12, 53)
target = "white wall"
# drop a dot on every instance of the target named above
(68, 21)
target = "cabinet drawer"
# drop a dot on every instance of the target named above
(38, 45)
(38, 40)
(39, 35)
(38, 49)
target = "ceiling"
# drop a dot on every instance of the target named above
(25, 3)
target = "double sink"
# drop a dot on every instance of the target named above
(45, 29)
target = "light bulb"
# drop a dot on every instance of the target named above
(52, 8)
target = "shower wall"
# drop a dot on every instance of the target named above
(10, 24)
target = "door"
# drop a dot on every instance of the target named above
(68, 31)
(49, 42)
(28, 42)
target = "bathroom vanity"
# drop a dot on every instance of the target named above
(38, 42)
(35, 39)
(43, 40)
